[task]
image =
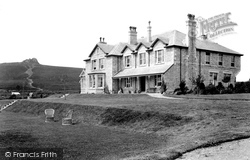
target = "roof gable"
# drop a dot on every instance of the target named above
(161, 39)
(145, 44)
(104, 47)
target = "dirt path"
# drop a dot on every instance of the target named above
(236, 150)
(30, 73)
(158, 95)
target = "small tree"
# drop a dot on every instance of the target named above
(183, 87)
(198, 82)
(220, 87)
(163, 86)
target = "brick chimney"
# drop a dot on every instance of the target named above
(149, 32)
(132, 39)
(192, 64)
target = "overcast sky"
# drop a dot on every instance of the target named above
(63, 32)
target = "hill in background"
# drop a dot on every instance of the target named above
(30, 75)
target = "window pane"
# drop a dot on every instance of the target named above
(100, 80)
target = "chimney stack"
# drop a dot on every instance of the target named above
(102, 40)
(149, 32)
(132, 39)
(192, 64)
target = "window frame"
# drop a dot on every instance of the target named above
(94, 64)
(102, 77)
(158, 80)
(92, 81)
(213, 77)
(142, 59)
(207, 58)
(128, 82)
(232, 61)
(127, 65)
(159, 59)
(101, 63)
(220, 62)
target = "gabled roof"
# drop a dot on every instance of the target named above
(82, 73)
(171, 38)
(162, 39)
(129, 46)
(106, 48)
(117, 50)
(145, 44)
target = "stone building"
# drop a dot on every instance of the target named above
(143, 64)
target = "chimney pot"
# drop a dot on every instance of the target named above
(100, 39)
(149, 32)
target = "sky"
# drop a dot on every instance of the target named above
(64, 32)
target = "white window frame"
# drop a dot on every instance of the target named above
(127, 61)
(207, 58)
(101, 64)
(233, 61)
(158, 80)
(213, 78)
(142, 59)
(91, 81)
(102, 79)
(128, 82)
(159, 59)
(94, 64)
(220, 63)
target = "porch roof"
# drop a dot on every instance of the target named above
(143, 71)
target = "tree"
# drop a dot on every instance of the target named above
(198, 82)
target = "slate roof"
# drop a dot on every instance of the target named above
(149, 70)
(177, 38)
(117, 50)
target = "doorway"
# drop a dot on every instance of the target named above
(143, 84)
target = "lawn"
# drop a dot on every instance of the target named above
(153, 128)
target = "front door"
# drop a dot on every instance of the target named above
(142, 84)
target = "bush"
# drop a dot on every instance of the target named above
(211, 89)
(198, 82)
(182, 88)
(241, 87)
(163, 87)
(220, 87)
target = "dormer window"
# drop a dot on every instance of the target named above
(159, 56)
(94, 64)
(142, 57)
(127, 61)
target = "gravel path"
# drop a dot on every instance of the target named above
(236, 150)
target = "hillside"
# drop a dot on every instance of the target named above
(31, 75)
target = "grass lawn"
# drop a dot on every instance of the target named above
(135, 126)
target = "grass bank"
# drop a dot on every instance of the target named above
(184, 124)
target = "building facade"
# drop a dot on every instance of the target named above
(142, 65)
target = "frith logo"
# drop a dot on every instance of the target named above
(216, 26)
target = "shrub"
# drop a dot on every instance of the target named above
(241, 87)
(211, 89)
(182, 88)
(220, 87)
(198, 82)
(163, 87)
